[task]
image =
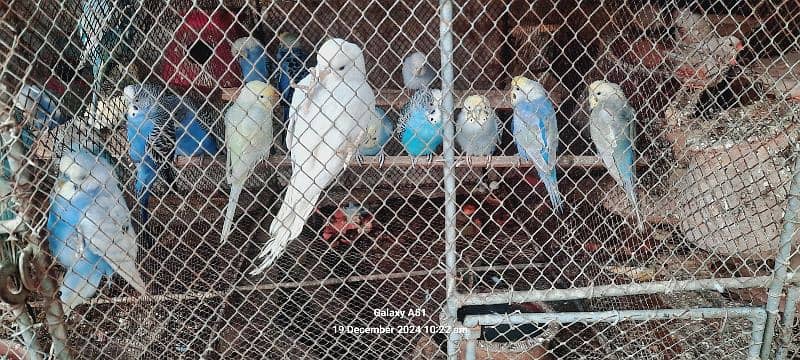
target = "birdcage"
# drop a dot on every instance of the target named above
(396, 179)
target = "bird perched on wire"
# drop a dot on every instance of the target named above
(252, 59)
(291, 60)
(535, 131)
(417, 73)
(89, 228)
(379, 131)
(327, 122)
(161, 125)
(477, 127)
(248, 137)
(420, 124)
(107, 33)
(611, 125)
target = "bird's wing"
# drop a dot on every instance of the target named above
(298, 99)
(161, 141)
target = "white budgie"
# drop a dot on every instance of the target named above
(327, 121)
(248, 137)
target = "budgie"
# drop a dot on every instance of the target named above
(420, 124)
(327, 121)
(417, 73)
(291, 60)
(611, 125)
(41, 106)
(248, 137)
(379, 131)
(89, 228)
(155, 138)
(106, 31)
(252, 59)
(535, 131)
(477, 127)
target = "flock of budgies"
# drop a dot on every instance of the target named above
(331, 119)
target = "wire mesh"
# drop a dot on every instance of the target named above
(570, 196)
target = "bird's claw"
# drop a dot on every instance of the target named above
(359, 159)
(413, 162)
(430, 159)
(489, 161)
(381, 160)
(468, 161)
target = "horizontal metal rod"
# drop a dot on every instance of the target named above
(613, 290)
(202, 295)
(564, 162)
(611, 316)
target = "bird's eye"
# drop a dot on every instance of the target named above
(597, 93)
(341, 68)
(262, 96)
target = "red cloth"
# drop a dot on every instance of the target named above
(217, 30)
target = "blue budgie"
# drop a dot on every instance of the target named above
(291, 60)
(155, 138)
(417, 73)
(379, 131)
(106, 31)
(248, 137)
(43, 108)
(252, 59)
(535, 131)
(420, 123)
(477, 127)
(611, 125)
(90, 228)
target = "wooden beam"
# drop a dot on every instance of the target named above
(397, 98)
(564, 162)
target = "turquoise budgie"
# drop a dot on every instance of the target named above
(420, 124)
(379, 131)
(253, 61)
(611, 124)
(535, 132)
(90, 228)
(330, 111)
(248, 137)
(476, 127)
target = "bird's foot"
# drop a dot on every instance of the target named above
(381, 160)
(359, 159)
(430, 159)
(413, 162)
(489, 161)
(468, 161)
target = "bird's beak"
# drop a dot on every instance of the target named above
(418, 70)
(739, 47)
(323, 73)
(592, 102)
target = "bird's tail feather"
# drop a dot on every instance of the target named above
(630, 191)
(287, 225)
(551, 184)
(230, 211)
(143, 198)
(79, 285)
(127, 268)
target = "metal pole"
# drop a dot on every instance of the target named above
(782, 260)
(611, 316)
(28, 333)
(446, 48)
(613, 290)
(789, 310)
(758, 319)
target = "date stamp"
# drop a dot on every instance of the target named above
(404, 329)
(399, 329)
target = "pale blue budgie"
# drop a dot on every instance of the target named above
(420, 123)
(611, 125)
(327, 122)
(107, 33)
(477, 127)
(291, 60)
(535, 131)
(379, 132)
(41, 106)
(152, 134)
(248, 137)
(90, 228)
(417, 73)
(252, 59)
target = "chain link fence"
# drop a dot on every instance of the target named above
(283, 179)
